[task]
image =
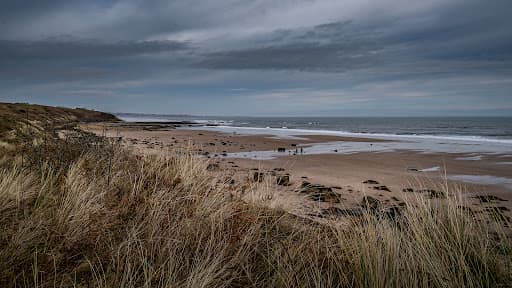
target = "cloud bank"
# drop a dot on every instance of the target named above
(330, 57)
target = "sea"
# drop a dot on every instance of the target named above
(491, 129)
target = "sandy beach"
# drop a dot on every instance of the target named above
(386, 176)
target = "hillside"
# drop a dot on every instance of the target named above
(17, 119)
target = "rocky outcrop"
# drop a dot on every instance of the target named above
(489, 198)
(319, 192)
(370, 203)
(283, 180)
(258, 176)
(213, 167)
(382, 188)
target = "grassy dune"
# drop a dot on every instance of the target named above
(85, 212)
(30, 120)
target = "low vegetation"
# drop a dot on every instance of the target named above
(22, 121)
(82, 211)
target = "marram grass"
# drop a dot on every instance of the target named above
(104, 217)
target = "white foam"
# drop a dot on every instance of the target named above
(213, 122)
(431, 169)
(483, 179)
(470, 158)
(285, 131)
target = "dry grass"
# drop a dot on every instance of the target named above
(87, 213)
(21, 121)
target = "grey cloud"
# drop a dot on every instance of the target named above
(307, 57)
(55, 49)
(328, 44)
(330, 47)
(472, 31)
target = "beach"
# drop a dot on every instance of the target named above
(352, 167)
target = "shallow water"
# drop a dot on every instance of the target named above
(483, 179)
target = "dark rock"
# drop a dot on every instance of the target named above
(325, 196)
(278, 169)
(407, 190)
(433, 193)
(413, 169)
(372, 182)
(395, 199)
(370, 203)
(437, 194)
(314, 188)
(212, 167)
(489, 198)
(320, 192)
(258, 176)
(281, 149)
(294, 145)
(392, 212)
(283, 180)
(497, 214)
(382, 188)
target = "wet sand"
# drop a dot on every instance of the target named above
(344, 174)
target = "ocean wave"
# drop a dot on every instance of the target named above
(213, 122)
(291, 132)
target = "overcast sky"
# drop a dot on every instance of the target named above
(260, 57)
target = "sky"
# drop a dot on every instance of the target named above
(260, 57)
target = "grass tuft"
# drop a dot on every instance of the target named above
(85, 212)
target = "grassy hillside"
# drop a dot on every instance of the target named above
(20, 119)
(90, 213)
